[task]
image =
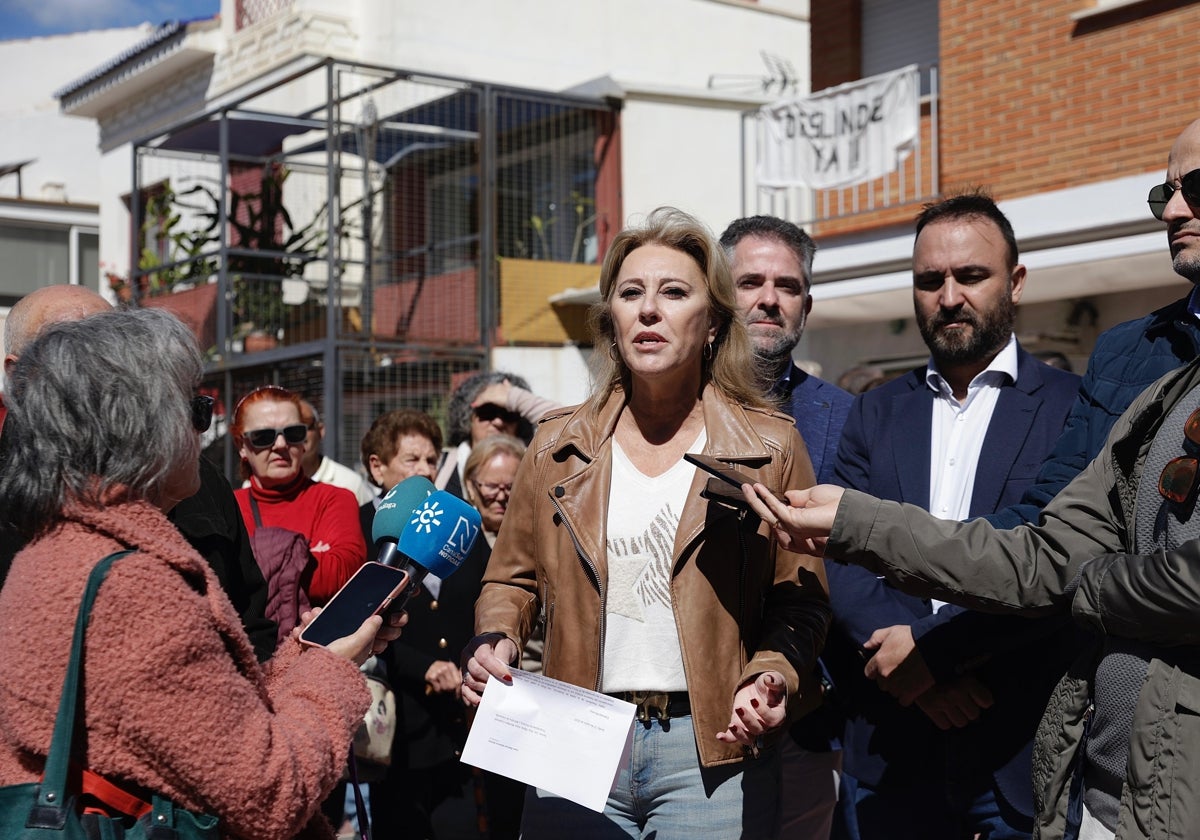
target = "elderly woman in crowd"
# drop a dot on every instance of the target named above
(399, 445)
(653, 592)
(107, 439)
(270, 437)
(488, 479)
(486, 404)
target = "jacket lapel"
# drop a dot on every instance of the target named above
(584, 493)
(911, 421)
(1016, 408)
(730, 436)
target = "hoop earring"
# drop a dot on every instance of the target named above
(612, 352)
(708, 351)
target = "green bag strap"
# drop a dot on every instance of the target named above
(53, 793)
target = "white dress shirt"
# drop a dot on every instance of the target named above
(958, 430)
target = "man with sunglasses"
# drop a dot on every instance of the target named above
(320, 467)
(1129, 357)
(210, 519)
(1118, 549)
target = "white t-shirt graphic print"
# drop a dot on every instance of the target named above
(641, 641)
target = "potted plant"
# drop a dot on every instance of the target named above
(258, 310)
(184, 252)
(265, 248)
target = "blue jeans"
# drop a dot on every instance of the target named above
(664, 794)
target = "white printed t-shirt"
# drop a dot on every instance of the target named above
(641, 641)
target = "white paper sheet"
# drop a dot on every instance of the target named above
(553, 735)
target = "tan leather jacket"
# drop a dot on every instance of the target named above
(742, 606)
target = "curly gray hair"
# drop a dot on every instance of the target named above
(96, 406)
(458, 409)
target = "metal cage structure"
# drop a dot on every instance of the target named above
(341, 230)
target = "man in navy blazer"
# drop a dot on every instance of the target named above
(942, 703)
(771, 261)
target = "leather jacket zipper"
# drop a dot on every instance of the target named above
(547, 624)
(595, 574)
(741, 516)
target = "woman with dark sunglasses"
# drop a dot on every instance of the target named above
(486, 404)
(269, 435)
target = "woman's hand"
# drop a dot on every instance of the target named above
(443, 677)
(758, 707)
(485, 656)
(495, 394)
(371, 638)
(804, 523)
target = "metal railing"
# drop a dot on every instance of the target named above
(340, 231)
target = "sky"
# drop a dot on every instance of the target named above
(34, 18)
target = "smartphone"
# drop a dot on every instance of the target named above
(730, 475)
(371, 590)
(720, 469)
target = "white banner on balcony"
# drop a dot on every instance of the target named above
(840, 136)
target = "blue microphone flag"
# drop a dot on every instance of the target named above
(441, 533)
(397, 505)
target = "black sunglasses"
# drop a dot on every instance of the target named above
(1178, 479)
(262, 438)
(490, 411)
(1160, 194)
(202, 412)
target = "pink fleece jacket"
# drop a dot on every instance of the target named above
(174, 699)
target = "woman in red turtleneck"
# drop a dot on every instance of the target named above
(327, 516)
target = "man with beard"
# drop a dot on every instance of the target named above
(771, 262)
(961, 437)
(1116, 550)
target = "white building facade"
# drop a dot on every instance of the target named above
(677, 75)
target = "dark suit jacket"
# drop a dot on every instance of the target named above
(212, 523)
(819, 410)
(885, 451)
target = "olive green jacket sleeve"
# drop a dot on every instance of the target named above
(1039, 569)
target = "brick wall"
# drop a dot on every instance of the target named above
(1032, 100)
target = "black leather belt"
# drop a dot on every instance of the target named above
(661, 705)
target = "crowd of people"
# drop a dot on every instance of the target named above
(957, 604)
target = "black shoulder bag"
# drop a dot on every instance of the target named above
(49, 810)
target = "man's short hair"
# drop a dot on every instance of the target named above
(309, 415)
(777, 230)
(976, 204)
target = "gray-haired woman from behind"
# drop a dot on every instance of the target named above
(105, 439)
